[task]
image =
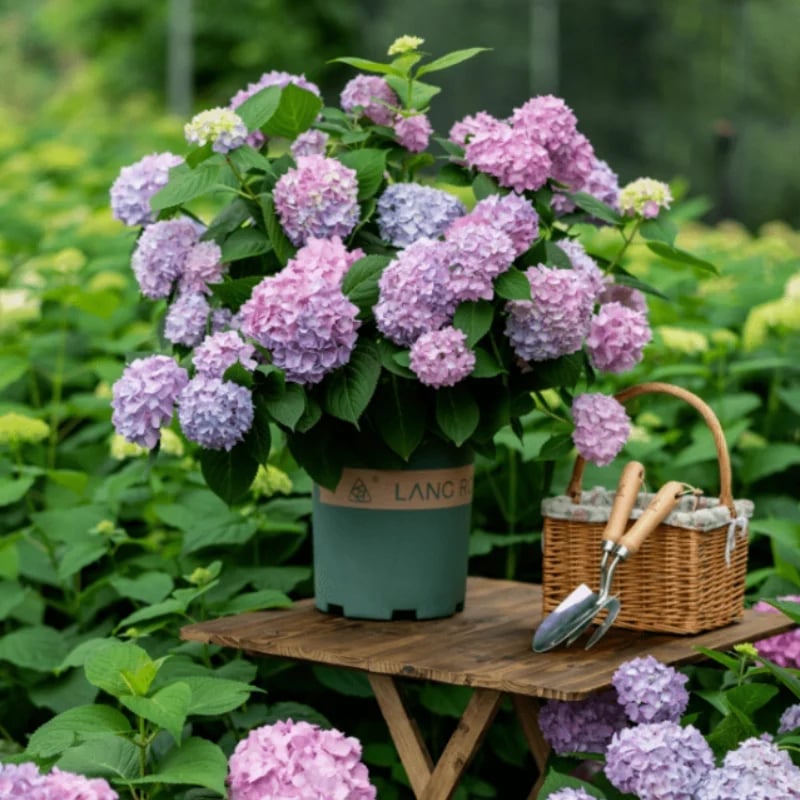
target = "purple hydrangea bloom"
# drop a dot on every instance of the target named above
(756, 770)
(203, 266)
(784, 648)
(222, 350)
(582, 726)
(573, 163)
(21, 782)
(548, 120)
(309, 143)
(136, 184)
(325, 260)
(161, 254)
(790, 719)
(462, 131)
(602, 427)
(650, 691)
(601, 183)
(510, 155)
(413, 132)
(414, 292)
(557, 320)
(442, 358)
(317, 198)
(510, 213)
(481, 252)
(373, 96)
(617, 337)
(569, 794)
(658, 761)
(187, 319)
(68, 786)
(306, 323)
(410, 211)
(215, 413)
(144, 398)
(222, 319)
(582, 262)
(298, 761)
(626, 295)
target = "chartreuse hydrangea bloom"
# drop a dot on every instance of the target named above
(270, 481)
(644, 197)
(224, 128)
(405, 44)
(18, 429)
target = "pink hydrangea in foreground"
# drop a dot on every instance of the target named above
(466, 128)
(373, 95)
(137, 183)
(203, 266)
(222, 350)
(413, 132)
(325, 260)
(215, 413)
(548, 120)
(784, 648)
(161, 254)
(144, 398)
(298, 761)
(309, 143)
(651, 691)
(582, 262)
(318, 198)
(481, 252)
(617, 338)
(626, 295)
(442, 358)
(602, 427)
(569, 794)
(25, 782)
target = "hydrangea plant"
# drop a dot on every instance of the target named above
(340, 269)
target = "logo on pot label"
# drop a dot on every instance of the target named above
(409, 490)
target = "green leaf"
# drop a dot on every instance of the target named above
(366, 65)
(258, 440)
(450, 60)
(556, 256)
(228, 473)
(360, 283)
(245, 158)
(775, 458)
(77, 555)
(401, 416)
(11, 595)
(558, 372)
(670, 253)
(197, 762)
(349, 389)
(120, 668)
(457, 413)
(70, 525)
(785, 676)
(229, 219)
(296, 711)
(75, 726)
(11, 369)
(486, 365)
(149, 587)
(259, 600)
(512, 285)
(285, 404)
(14, 489)
(259, 108)
(727, 734)
(234, 292)
(167, 708)
(211, 696)
(660, 229)
(556, 447)
(370, 165)
(484, 186)
(421, 93)
(555, 781)
(170, 605)
(729, 662)
(790, 608)
(106, 756)
(318, 452)
(474, 319)
(445, 701)
(395, 359)
(595, 207)
(748, 699)
(343, 681)
(245, 243)
(38, 647)
(620, 276)
(297, 109)
(186, 184)
(283, 248)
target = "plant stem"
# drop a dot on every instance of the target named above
(626, 243)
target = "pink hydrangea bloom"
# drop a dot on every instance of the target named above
(318, 198)
(203, 266)
(784, 648)
(481, 252)
(462, 131)
(309, 143)
(617, 338)
(160, 255)
(573, 163)
(68, 786)
(602, 427)
(222, 350)
(215, 413)
(413, 132)
(626, 295)
(136, 184)
(298, 761)
(187, 319)
(324, 259)
(21, 782)
(582, 262)
(373, 95)
(601, 183)
(557, 320)
(548, 120)
(442, 358)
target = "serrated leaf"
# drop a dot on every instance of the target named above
(283, 248)
(360, 283)
(286, 405)
(259, 108)
(38, 647)
(167, 708)
(474, 319)
(512, 285)
(187, 184)
(245, 243)
(229, 219)
(675, 254)
(556, 447)
(120, 668)
(228, 473)
(620, 276)
(349, 389)
(259, 600)
(370, 166)
(556, 256)
(77, 555)
(149, 587)
(197, 762)
(450, 59)
(211, 695)
(457, 413)
(660, 229)
(296, 111)
(164, 608)
(245, 158)
(595, 207)
(75, 726)
(107, 756)
(486, 365)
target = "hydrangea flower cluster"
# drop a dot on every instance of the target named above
(309, 143)
(650, 691)
(224, 128)
(644, 197)
(783, 648)
(442, 358)
(215, 413)
(570, 794)
(136, 184)
(790, 719)
(413, 132)
(617, 338)
(410, 211)
(186, 320)
(298, 761)
(25, 782)
(222, 350)
(160, 255)
(481, 253)
(372, 96)
(602, 426)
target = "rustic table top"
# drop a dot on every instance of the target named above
(487, 645)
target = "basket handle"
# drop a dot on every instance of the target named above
(710, 418)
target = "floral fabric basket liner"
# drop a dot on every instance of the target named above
(689, 574)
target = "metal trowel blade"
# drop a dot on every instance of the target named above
(561, 621)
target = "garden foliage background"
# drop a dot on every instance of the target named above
(97, 543)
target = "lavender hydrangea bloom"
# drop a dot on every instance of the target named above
(442, 358)
(582, 726)
(222, 350)
(658, 761)
(510, 213)
(573, 163)
(650, 691)
(318, 198)
(215, 413)
(410, 211)
(187, 319)
(617, 338)
(136, 184)
(784, 648)
(582, 262)
(21, 782)
(557, 320)
(481, 252)
(223, 127)
(414, 297)
(602, 427)
(203, 266)
(144, 398)
(161, 254)
(413, 132)
(68, 786)
(309, 143)
(790, 719)
(626, 295)
(756, 770)
(373, 96)
(298, 761)
(569, 794)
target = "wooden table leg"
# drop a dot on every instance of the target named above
(527, 710)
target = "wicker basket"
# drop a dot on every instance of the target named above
(689, 574)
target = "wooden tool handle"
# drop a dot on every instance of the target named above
(656, 512)
(630, 483)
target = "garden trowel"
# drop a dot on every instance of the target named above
(580, 607)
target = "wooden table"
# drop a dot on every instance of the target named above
(487, 647)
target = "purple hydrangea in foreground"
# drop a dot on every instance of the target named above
(318, 198)
(617, 338)
(557, 320)
(410, 211)
(413, 132)
(625, 295)
(442, 358)
(373, 95)
(68, 786)
(161, 254)
(755, 770)
(790, 719)
(569, 794)
(215, 413)
(144, 398)
(650, 691)
(21, 782)
(186, 320)
(298, 761)
(582, 262)
(582, 726)
(202, 267)
(658, 761)
(222, 350)
(784, 648)
(548, 120)
(602, 427)
(465, 129)
(481, 252)
(136, 184)
(309, 143)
